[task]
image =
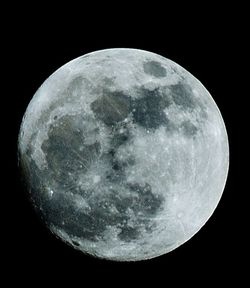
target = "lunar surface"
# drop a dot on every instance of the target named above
(124, 153)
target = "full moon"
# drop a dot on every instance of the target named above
(124, 154)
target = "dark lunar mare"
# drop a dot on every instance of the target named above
(183, 96)
(68, 156)
(117, 171)
(148, 108)
(155, 69)
(60, 210)
(112, 107)
(65, 161)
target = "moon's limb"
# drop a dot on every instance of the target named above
(125, 154)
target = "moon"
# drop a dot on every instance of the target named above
(124, 154)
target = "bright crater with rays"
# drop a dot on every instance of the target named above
(124, 153)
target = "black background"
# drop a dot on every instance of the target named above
(40, 40)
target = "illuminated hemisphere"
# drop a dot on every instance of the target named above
(124, 154)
